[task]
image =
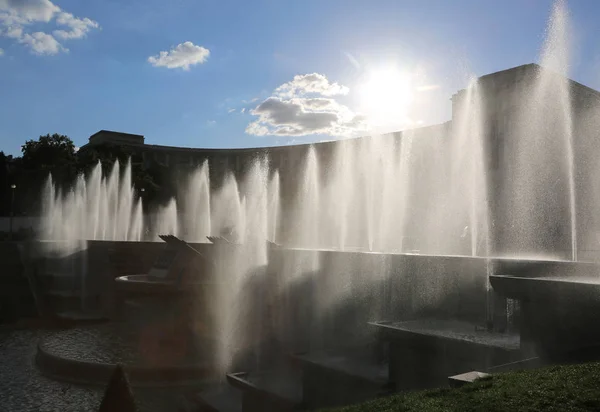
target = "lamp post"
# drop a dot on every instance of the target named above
(12, 209)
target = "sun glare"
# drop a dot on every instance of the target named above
(386, 95)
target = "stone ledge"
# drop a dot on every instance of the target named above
(218, 398)
(457, 381)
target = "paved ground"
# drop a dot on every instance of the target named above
(24, 389)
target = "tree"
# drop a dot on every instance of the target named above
(106, 153)
(54, 154)
(6, 179)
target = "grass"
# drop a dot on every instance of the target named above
(565, 388)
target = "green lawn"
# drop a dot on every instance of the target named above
(560, 388)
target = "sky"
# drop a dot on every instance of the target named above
(223, 74)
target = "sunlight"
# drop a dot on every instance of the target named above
(386, 95)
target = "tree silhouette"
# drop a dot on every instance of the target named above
(51, 153)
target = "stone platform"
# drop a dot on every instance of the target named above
(557, 310)
(268, 391)
(153, 357)
(452, 330)
(424, 353)
(216, 398)
(338, 379)
(25, 389)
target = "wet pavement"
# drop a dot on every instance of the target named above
(24, 389)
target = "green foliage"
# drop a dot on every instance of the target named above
(49, 153)
(6, 179)
(56, 154)
(107, 154)
(569, 388)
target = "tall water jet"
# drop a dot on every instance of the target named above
(426, 225)
(256, 225)
(240, 304)
(96, 208)
(544, 218)
(165, 220)
(112, 196)
(196, 220)
(395, 195)
(468, 179)
(556, 56)
(338, 192)
(136, 230)
(227, 214)
(307, 206)
(274, 206)
(94, 187)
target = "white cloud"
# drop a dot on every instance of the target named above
(230, 110)
(289, 112)
(1, 52)
(310, 83)
(14, 32)
(27, 11)
(42, 43)
(182, 56)
(78, 28)
(16, 15)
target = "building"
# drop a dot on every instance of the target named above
(540, 135)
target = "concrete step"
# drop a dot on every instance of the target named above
(268, 391)
(332, 380)
(457, 381)
(217, 398)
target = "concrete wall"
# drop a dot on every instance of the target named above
(20, 223)
(331, 296)
(16, 298)
(326, 293)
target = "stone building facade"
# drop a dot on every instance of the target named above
(539, 132)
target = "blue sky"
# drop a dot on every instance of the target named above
(259, 73)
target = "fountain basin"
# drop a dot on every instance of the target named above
(164, 334)
(143, 299)
(450, 330)
(146, 285)
(424, 353)
(557, 310)
(548, 288)
(89, 355)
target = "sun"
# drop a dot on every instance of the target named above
(386, 95)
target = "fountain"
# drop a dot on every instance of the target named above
(103, 208)
(162, 332)
(196, 227)
(388, 253)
